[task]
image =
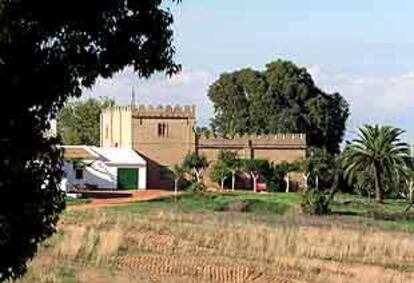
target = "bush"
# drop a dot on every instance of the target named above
(315, 202)
(237, 206)
(196, 187)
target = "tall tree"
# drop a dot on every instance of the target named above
(227, 164)
(196, 164)
(281, 99)
(79, 121)
(377, 152)
(49, 51)
(232, 162)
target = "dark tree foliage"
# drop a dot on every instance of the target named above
(281, 99)
(49, 51)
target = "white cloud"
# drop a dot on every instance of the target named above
(390, 94)
(185, 88)
(372, 99)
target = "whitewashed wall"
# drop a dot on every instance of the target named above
(142, 181)
(100, 175)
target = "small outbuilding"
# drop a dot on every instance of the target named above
(103, 168)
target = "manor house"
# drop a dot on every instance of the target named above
(164, 135)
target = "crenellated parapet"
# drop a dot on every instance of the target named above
(117, 109)
(161, 111)
(167, 111)
(254, 141)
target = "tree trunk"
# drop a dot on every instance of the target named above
(287, 183)
(317, 182)
(233, 180)
(379, 196)
(197, 176)
(334, 188)
(222, 183)
(254, 183)
(305, 177)
(176, 186)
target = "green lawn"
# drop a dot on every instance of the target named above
(360, 206)
(72, 201)
(390, 215)
(346, 207)
(268, 203)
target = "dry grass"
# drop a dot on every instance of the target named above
(165, 246)
(109, 242)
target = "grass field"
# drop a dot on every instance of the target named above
(76, 201)
(241, 237)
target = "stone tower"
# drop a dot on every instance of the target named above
(163, 135)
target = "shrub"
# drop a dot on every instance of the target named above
(196, 187)
(315, 202)
(237, 206)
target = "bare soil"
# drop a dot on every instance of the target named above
(136, 196)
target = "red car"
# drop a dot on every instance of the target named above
(261, 184)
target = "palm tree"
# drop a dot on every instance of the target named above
(378, 152)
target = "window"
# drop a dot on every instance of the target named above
(162, 130)
(79, 174)
(159, 129)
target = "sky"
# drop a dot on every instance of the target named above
(361, 49)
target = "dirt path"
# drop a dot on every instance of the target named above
(137, 196)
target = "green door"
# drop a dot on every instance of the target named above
(127, 178)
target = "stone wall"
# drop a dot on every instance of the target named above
(276, 148)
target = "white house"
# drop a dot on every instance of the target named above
(103, 168)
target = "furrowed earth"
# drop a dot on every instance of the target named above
(232, 238)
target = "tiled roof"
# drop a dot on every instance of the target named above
(78, 152)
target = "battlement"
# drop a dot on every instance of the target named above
(187, 111)
(117, 109)
(167, 111)
(277, 140)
